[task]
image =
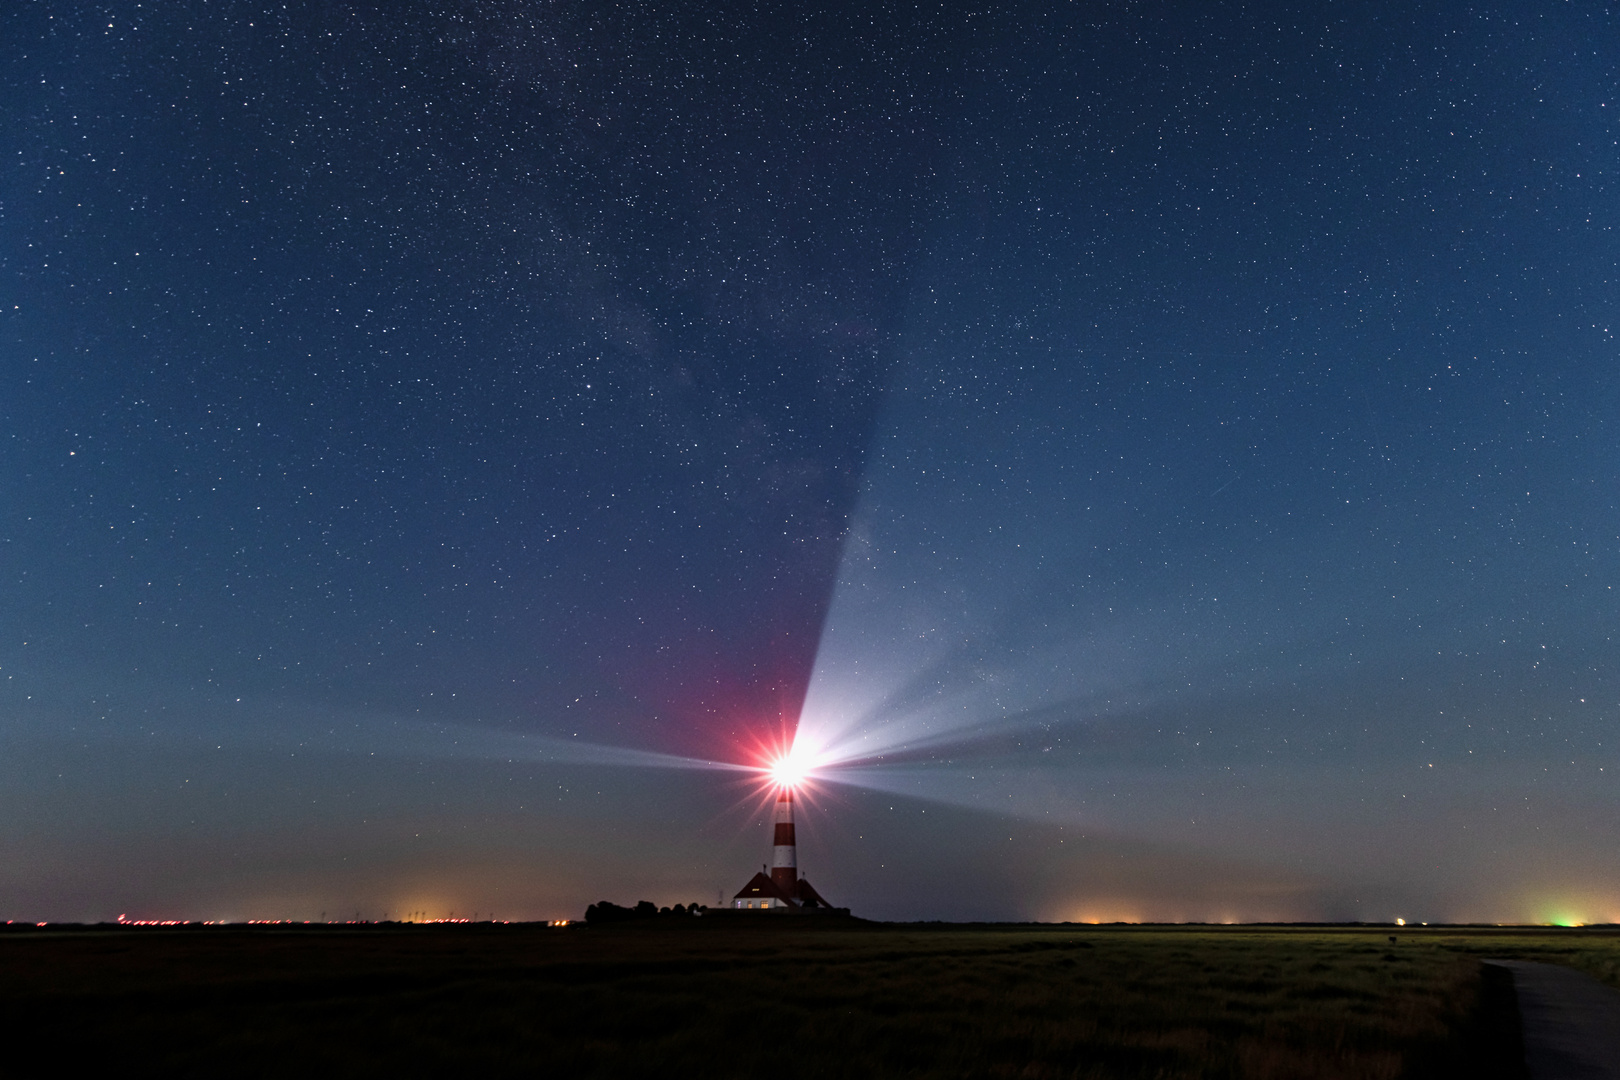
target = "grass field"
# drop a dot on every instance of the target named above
(784, 1000)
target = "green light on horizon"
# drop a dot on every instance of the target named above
(1562, 918)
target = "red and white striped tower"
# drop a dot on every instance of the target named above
(785, 858)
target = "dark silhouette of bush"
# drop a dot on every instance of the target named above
(606, 911)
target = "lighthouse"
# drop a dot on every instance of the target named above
(784, 853)
(783, 890)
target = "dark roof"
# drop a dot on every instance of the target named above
(761, 887)
(804, 893)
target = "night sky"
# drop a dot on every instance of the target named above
(1161, 460)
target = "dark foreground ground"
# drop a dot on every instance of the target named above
(780, 1000)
